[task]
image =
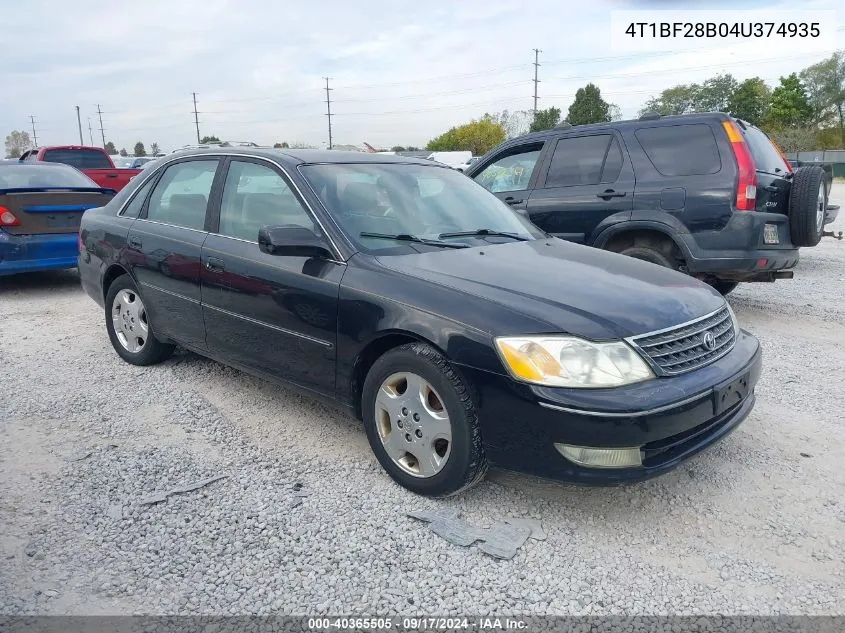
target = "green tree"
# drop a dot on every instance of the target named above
(825, 84)
(209, 139)
(794, 139)
(790, 106)
(545, 119)
(750, 101)
(139, 149)
(398, 148)
(478, 136)
(515, 123)
(679, 99)
(123, 152)
(715, 94)
(154, 149)
(110, 148)
(17, 142)
(588, 107)
(615, 112)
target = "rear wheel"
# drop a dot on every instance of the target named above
(421, 421)
(807, 206)
(651, 254)
(129, 327)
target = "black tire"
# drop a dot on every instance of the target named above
(724, 286)
(153, 350)
(808, 193)
(650, 254)
(466, 464)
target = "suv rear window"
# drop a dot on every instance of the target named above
(79, 158)
(681, 150)
(765, 154)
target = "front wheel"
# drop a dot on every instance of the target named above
(421, 422)
(129, 326)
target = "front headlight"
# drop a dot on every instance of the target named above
(566, 361)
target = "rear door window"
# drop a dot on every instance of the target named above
(765, 154)
(681, 150)
(578, 160)
(79, 158)
(181, 195)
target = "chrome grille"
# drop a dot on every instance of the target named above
(684, 348)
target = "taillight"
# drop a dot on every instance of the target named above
(7, 218)
(746, 189)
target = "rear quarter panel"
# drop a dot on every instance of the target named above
(103, 237)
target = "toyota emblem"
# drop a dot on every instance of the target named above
(709, 341)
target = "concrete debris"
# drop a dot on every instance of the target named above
(501, 540)
(78, 457)
(159, 497)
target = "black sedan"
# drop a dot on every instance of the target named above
(457, 331)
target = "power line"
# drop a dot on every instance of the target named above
(102, 131)
(34, 134)
(196, 117)
(90, 132)
(537, 52)
(79, 122)
(329, 109)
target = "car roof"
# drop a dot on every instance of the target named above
(647, 121)
(293, 157)
(33, 163)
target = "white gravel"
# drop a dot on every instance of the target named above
(306, 522)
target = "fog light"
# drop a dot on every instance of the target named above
(602, 457)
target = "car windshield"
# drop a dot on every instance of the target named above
(404, 200)
(25, 176)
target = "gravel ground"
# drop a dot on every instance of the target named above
(305, 522)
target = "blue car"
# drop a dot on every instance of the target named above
(41, 205)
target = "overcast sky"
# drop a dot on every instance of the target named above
(402, 72)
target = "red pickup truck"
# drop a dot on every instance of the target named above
(94, 162)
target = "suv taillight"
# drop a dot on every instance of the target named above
(746, 189)
(7, 218)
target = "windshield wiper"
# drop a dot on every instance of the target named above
(484, 232)
(405, 237)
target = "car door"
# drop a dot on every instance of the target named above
(585, 179)
(510, 173)
(164, 248)
(273, 313)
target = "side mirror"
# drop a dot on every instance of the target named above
(294, 241)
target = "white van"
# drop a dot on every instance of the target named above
(455, 160)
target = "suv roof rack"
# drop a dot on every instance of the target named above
(650, 116)
(563, 125)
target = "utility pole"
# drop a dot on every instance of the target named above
(34, 135)
(329, 108)
(537, 52)
(90, 131)
(196, 116)
(102, 131)
(79, 122)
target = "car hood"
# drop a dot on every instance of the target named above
(563, 287)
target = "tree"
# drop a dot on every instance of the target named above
(794, 139)
(790, 106)
(750, 101)
(154, 149)
(209, 139)
(110, 148)
(825, 84)
(398, 148)
(17, 142)
(478, 136)
(139, 149)
(545, 119)
(588, 107)
(123, 152)
(715, 93)
(615, 112)
(515, 123)
(679, 99)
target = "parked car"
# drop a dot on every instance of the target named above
(94, 162)
(460, 333)
(705, 194)
(40, 208)
(136, 162)
(455, 160)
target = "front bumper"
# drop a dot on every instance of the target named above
(27, 253)
(670, 419)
